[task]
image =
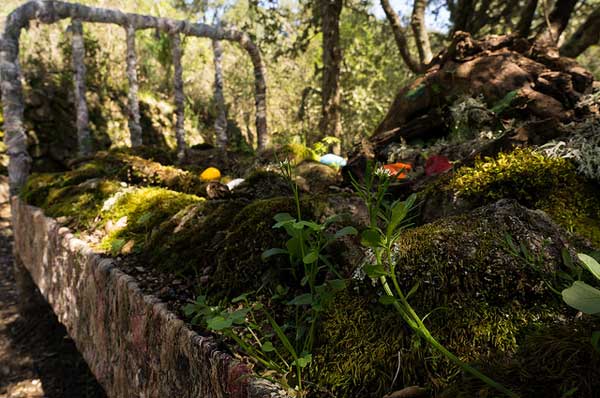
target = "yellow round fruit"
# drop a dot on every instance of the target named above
(210, 174)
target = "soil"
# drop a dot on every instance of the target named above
(37, 357)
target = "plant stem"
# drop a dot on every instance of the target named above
(467, 368)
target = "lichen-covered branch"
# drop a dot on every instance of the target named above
(331, 120)
(400, 37)
(135, 129)
(421, 36)
(221, 119)
(84, 139)
(556, 23)
(49, 11)
(587, 35)
(179, 96)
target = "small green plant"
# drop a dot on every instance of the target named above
(322, 147)
(584, 297)
(387, 223)
(253, 329)
(285, 349)
(305, 250)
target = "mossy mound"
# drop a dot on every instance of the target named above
(551, 362)
(136, 170)
(534, 180)
(118, 165)
(222, 243)
(482, 303)
(138, 212)
(166, 157)
(263, 184)
(187, 242)
(316, 177)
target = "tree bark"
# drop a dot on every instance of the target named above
(587, 35)
(179, 96)
(331, 123)
(524, 25)
(135, 129)
(84, 139)
(400, 37)
(418, 26)
(221, 117)
(12, 100)
(556, 23)
(461, 14)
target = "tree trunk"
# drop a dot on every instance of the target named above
(135, 129)
(556, 23)
(331, 123)
(84, 139)
(524, 25)
(221, 117)
(418, 27)
(587, 35)
(400, 37)
(15, 138)
(461, 15)
(179, 96)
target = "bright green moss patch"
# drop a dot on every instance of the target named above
(296, 153)
(78, 196)
(538, 182)
(139, 212)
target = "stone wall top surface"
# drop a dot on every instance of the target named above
(133, 344)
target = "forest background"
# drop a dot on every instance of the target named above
(289, 34)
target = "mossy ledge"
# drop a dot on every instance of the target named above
(481, 300)
(534, 180)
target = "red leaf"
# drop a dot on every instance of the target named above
(437, 164)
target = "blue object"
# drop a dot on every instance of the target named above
(333, 160)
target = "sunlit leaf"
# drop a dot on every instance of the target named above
(582, 297)
(219, 323)
(591, 264)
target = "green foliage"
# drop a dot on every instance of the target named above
(388, 221)
(522, 174)
(584, 297)
(287, 348)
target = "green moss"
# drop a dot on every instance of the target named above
(538, 182)
(548, 363)
(143, 209)
(263, 184)
(481, 301)
(81, 203)
(181, 243)
(136, 170)
(154, 153)
(297, 153)
(238, 264)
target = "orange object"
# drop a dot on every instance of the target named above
(399, 169)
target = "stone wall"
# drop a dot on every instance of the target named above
(132, 343)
